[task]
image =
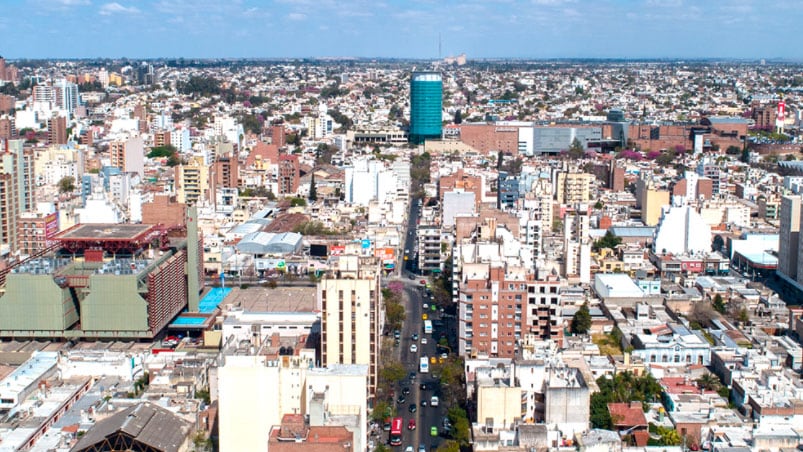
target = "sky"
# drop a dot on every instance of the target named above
(638, 29)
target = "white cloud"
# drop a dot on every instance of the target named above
(115, 8)
(296, 16)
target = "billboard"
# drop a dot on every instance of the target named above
(51, 227)
(385, 253)
(337, 250)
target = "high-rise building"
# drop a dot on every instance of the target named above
(128, 155)
(192, 181)
(426, 106)
(573, 187)
(350, 315)
(16, 189)
(57, 130)
(288, 174)
(789, 237)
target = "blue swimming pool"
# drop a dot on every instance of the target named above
(189, 320)
(212, 299)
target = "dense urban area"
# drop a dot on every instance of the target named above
(329, 255)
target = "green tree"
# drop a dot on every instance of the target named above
(576, 150)
(394, 313)
(380, 410)
(449, 446)
(66, 184)
(745, 158)
(392, 371)
(733, 150)
(581, 322)
(609, 240)
(719, 304)
(708, 382)
(458, 117)
(313, 192)
(461, 427)
(298, 202)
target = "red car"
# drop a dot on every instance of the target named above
(424, 282)
(411, 424)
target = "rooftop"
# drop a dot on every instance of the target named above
(280, 299)
(105, 231)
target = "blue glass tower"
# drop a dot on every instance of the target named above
(426, 105)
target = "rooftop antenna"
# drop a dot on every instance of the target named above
(439, 45)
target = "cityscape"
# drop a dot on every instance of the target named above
(458, 245)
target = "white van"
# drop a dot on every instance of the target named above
(433, 401)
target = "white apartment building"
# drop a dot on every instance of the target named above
(351, 315)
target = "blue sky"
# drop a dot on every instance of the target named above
(399, 28)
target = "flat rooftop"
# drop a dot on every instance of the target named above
(280, 299)
(104, 231)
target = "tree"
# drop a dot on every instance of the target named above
(609, 240)
(298, 202)
(66, 184)
(708, 382)
(313, 193)
(733, 150)
(576, 150)
(500, 158)
(745, 158)
(458, 117)
(392, 372)
(718, 304)
(449, 446)
(581, 322)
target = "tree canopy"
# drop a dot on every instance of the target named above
(581, 322)
(609, 240)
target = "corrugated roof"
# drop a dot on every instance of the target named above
(632, 231)
(146, 423)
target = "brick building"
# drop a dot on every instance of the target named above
(35, 231)
(288, 174)
(489, 138)
(57, 130)
(461, 180)
(164, 210)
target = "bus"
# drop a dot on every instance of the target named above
(427, 326)
(424, 366)
(396, 432)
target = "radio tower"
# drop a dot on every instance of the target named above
(779, 117)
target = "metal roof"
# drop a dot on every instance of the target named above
(145, 423)
(632, 231)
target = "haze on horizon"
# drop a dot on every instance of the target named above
(638, 29)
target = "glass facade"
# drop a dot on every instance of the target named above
(426, 105)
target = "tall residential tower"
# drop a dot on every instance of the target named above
(426, 104)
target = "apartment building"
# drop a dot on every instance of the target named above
(128, 155)
(573, 187)
(192, 181)
(349, 302)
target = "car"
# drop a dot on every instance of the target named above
(433, 431)
(397, 334)
(423, 281)
(433, 360)
(424, 402)
(412, 277)
(423, 386)
(434, 401)
(401, 399)
(408, 449)
(396, 342)
(407, 251)
(413, 348)
(424, 316)
(411, 424)
(444, 355)
(414, 337)
(422, 448)
(423, 341)
(411, 375)
(412, 408)
(426, 306)
(405, 391)
(446, 422)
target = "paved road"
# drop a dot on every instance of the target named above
(425, 416)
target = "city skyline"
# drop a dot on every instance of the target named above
(637, 29)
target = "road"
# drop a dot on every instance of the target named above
(425, 416)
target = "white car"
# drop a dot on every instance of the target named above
(408, 449)
(423, 341)
(413, 348)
